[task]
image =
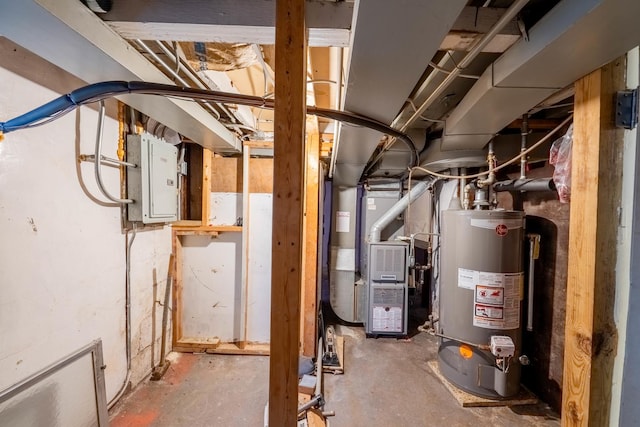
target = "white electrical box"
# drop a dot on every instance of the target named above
(153, 184)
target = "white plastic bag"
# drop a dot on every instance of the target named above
(560, 158)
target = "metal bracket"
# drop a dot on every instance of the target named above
(627, 108)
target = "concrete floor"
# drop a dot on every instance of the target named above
(387, 383)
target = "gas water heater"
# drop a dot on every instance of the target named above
(480, 301)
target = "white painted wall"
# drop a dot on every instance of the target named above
(62, 255)
(625, 242)
(212, 284)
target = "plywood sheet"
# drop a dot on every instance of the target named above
(467, 400)
(261, 175)
(226, 175)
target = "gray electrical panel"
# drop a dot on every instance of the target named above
(387, 288)
(153, 184)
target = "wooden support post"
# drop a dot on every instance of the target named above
(288, 180)
(206, 185)
(308, 321)
(590, 332)
(246, 177)
(176, 302)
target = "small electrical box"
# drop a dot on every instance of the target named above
(153, 184)
(502, 346)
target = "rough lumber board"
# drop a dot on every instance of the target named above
(246, 222)
(258, 144)
(590, 335)
(202, 230)
(206, 185)
(202, 346)
(308, 326)
(288, 195)
(467, 400)
(176, 303)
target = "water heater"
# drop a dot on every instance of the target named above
(480, 300)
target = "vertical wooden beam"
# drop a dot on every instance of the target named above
(308, 326)
(246, 178)
(176, 302)
(288, 193)
(206, 185)
(590, 334)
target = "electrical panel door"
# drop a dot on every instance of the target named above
(153, 184)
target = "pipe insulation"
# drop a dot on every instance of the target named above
(100, 91)
(416, 191)
(537, 184)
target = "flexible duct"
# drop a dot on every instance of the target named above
(415, 192)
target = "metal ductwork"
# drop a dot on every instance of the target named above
(70, 36)
(416, 191)
(573, 39)
(391, 46)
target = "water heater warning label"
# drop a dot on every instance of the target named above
(490, 295)
(497, 296)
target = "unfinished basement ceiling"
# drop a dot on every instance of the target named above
(390, 61)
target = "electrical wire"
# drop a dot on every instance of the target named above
(127, 280)
(100, 91)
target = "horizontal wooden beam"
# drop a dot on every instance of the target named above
(196, 346)
(535, 124)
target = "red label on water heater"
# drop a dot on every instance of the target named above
(502, 230)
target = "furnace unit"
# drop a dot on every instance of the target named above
(387, 289)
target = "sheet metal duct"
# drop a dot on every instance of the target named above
(573, 39)
(391, 46)
(69, 35)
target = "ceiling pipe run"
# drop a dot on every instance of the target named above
(508, 15)
(571, 40)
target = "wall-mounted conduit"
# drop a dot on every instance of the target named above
(100, 91)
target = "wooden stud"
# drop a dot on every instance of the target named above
(288, 179)
(309, 325)
(176, 302)
(246, 220)
(590, 332)
(206, 186)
